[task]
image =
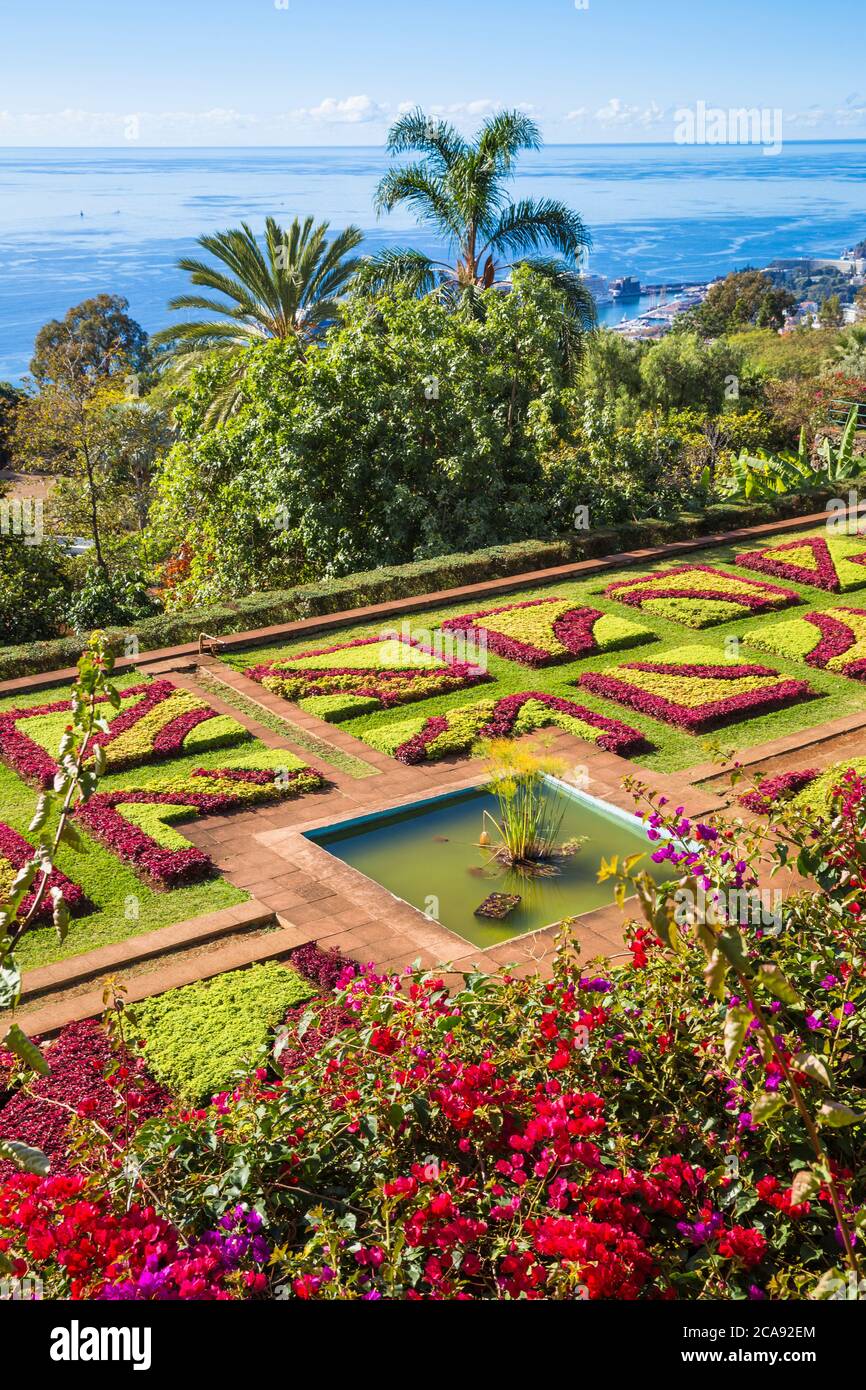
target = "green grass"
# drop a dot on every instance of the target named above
(674, 750)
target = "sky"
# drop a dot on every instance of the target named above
(338, 72)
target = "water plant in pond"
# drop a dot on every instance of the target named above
(527, 828)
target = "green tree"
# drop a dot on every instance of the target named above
(416, 430)
(290, 288)
(683, 372)
(848, 353)
(458, 189)
(831, 313)
(746, 297)
(94, 340)
(10, 398)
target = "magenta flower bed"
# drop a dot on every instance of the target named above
(17, 851)
(389, 686)
(689, 585)
(32, 762)
(772, 561)
(169, 868)
(574, 630)
(615, 737)
(779, 788)
(698, 718)
(79, 1059)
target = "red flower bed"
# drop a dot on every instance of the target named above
(824, 574)
(779, 788)
(697, 718)
(79, 1059)
(17, 851)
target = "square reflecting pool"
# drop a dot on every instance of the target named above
(430, 855)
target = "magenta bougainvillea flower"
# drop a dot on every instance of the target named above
(15, 852)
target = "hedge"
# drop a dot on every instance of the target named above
(404, 581)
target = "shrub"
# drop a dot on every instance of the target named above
(196, 1038)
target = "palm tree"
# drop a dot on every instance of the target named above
(458, 189)
(288, 289)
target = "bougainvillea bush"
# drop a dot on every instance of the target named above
(699, 596)
(686, 1125)
(440, 736)
(693, 690)
(833, 562)
(545, 631)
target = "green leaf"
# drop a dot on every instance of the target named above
(21, 1045)
(731, 942)
(837, 1116)
(43, 811)
(715, 974)
(815, 1067)
(777, 984)
(70, 836)
(10, 984)
(766, 1106)
(31, 1160)
(736, 1023)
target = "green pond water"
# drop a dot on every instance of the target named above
(429, 856)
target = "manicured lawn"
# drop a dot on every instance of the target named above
(673, 748)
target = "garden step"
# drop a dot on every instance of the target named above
(90, 965)
(47, 1020)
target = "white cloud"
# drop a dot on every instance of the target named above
(577, 114)
(350, 111)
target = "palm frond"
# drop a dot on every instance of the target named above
(397, 268)
(530, 224)
(416, 131)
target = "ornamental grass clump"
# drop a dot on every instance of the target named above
(531, 809)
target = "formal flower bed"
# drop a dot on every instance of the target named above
(699, 596)
(135, 823)
(772, 791)
(365, 674)
(157, 722)
(545, 631)
(691, 690)
(834, 563)
(89, 1080)
(460, 729)
(507, 1140)
(15, 852)
(834, 640)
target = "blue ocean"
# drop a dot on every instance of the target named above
(78, 222)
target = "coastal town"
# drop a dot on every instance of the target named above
(827, 291)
